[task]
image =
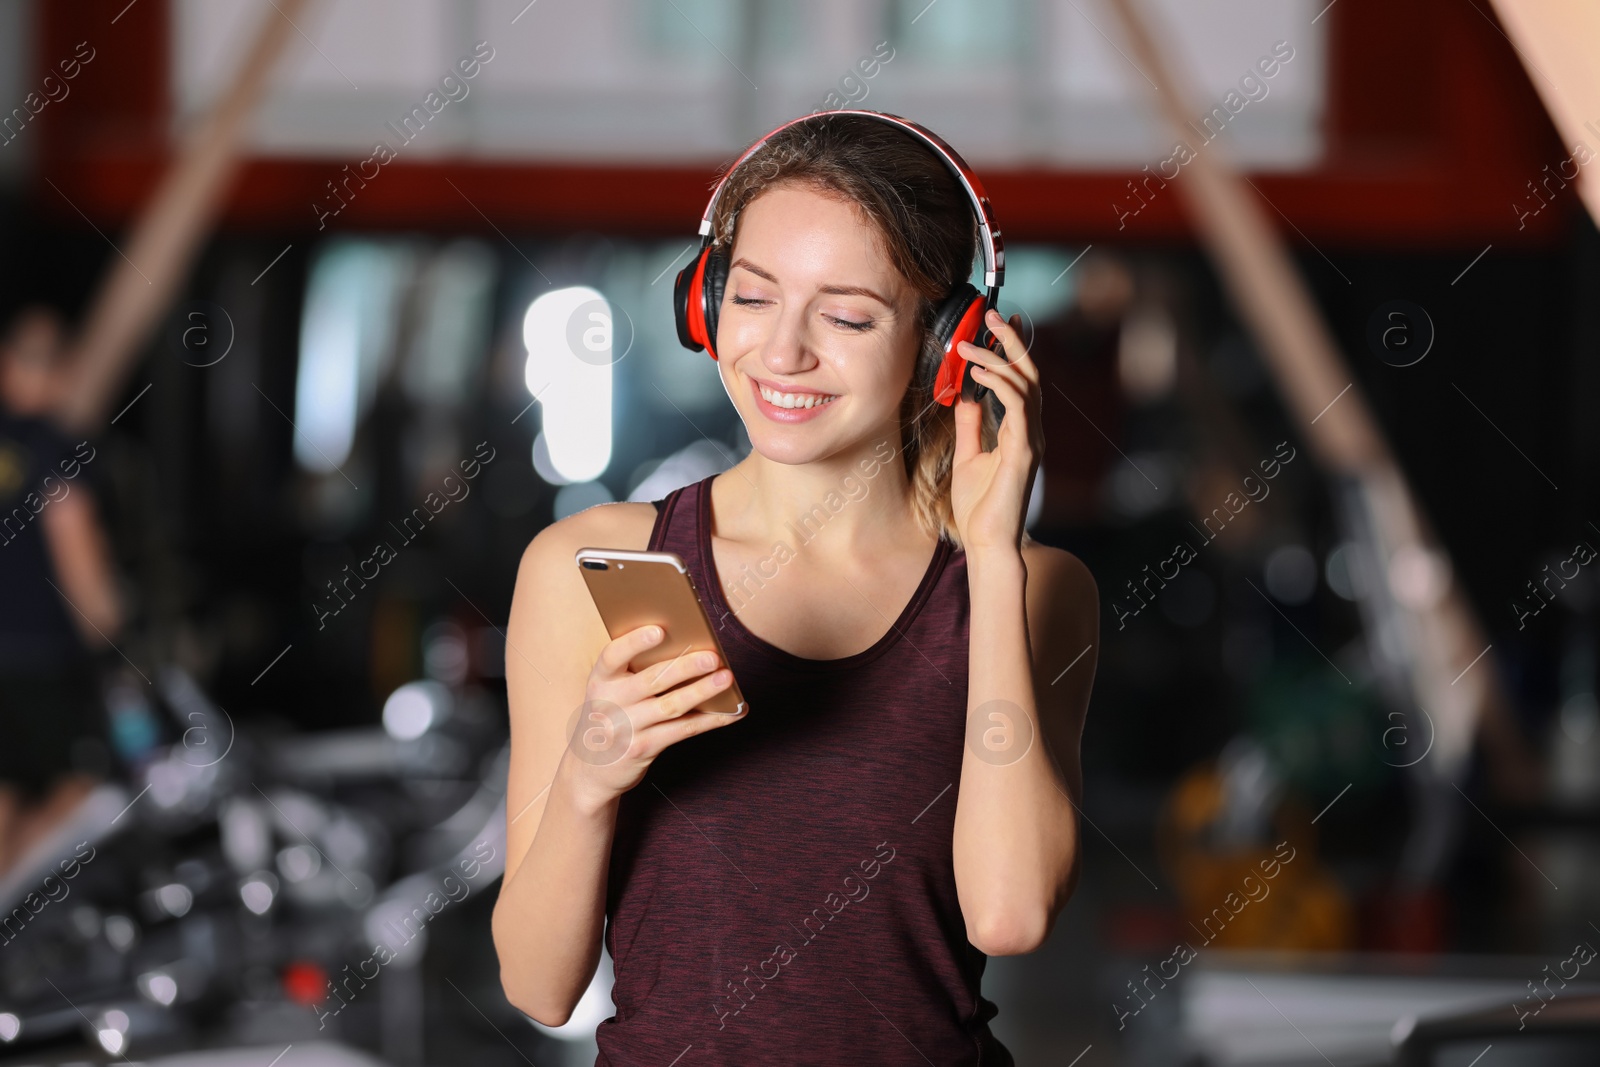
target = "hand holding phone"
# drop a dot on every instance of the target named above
(660, 679)
(633, 589)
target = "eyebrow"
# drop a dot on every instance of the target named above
(833, 290)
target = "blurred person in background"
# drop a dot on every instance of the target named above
(892, 619)
(1077, 352)
(59, 606)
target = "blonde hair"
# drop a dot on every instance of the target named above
(925, 223)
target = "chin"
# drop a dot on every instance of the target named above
(790, 445)
(798, 445)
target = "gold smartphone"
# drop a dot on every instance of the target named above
(634, 589)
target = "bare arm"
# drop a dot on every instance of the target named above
(82, 561)
(1035, 632)
(1033, 652)
(549, 917)
(562, 670)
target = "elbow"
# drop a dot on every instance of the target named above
(525, 1000)
(545, 1017)
(524, 988)
(1015, 932)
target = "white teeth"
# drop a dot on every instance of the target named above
(794, 400)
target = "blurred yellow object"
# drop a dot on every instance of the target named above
(1250, 897)
(393, 643)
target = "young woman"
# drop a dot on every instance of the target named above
(818, 879)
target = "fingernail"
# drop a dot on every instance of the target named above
(705, 661)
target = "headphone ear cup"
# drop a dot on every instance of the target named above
(959, 317)
(685, 298)
(711, 287)
(948, 315)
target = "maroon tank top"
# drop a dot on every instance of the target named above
(781, 889)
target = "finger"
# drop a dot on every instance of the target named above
(987, 357)
(1010, 393)
(1016, 352)
(995, 364)
(1016, 325)
(1026, 444)
(615, 657)
(984, 357)
(969, 421)
(1015, 441)
(684, 726)
(660, 677)
(672, 704)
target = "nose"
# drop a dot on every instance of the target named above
(785, 350)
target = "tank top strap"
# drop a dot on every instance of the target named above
(674, 528)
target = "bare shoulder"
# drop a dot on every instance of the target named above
(1063, 607)
(552, 640)
(1060, 587)
(624, 525)
(554, 625)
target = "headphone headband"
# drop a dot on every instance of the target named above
(994, 255)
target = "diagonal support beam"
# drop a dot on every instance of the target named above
(1439, 632)
(1558, 42)
(167, 236)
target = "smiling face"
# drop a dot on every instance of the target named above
(818, 333)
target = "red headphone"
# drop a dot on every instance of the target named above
(697, 294)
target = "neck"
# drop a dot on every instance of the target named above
(855, 501)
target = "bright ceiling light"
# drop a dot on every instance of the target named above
(569, 340)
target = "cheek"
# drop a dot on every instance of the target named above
(872, 372)
(899, 362)
(738, 332)
(739, 336)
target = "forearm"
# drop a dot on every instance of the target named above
(551, 914)
(82, 560)
(1016, 839)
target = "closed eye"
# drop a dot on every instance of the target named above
(848, 324)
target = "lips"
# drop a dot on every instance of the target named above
(793, 399)
(790, 405)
